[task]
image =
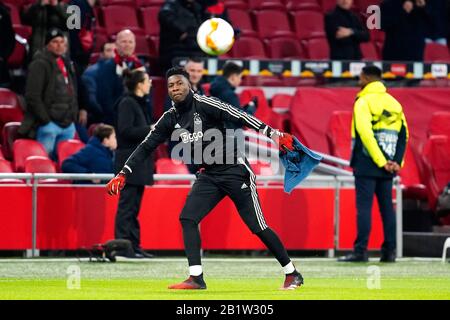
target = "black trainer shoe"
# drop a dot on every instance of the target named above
(355, 257)
(141, 254)
(191, 283)
(292, 281)
(388, 257)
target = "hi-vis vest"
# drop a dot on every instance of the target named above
(378, 123)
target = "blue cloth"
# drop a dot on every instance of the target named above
(51, 134)
(93, 158)
(298, 164)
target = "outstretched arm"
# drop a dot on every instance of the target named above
(160, 132)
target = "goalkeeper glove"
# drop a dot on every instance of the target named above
(116, 184)
(285, 140)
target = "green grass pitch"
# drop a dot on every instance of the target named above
(226, 278)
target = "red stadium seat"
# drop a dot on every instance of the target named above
(284, 48)
(317, 49)
(263, 112)
(162, 151)
(118, 18)
(327, 5)
(170, 166)
(14, 12)
(436, 52)
(294, 5)
(236, 4)
(24, 148)
(266, 5)
(159, 89)
(101, 37)
(142, 49)
(9, 136)
(8, 97)
(67, 148)
(9, 113)
(246, 47)
(437, 166)
(272, 23)
(5, 166)
(149, 18)
(439, 124)
(281, 102)
(38, 164)
(300, 82)
(241, 19)
(369, 51)
(410, 178)
(339, 134)
(130, 3)
(92, 128)
(308, 24)
(206, 88)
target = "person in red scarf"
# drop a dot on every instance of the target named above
(103, 81)
(51, 95)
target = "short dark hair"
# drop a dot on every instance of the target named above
(132, 78)
(372, 71)
(102, 47)
(103, 131)
(230, 68)
(195, 59)
(177, 71)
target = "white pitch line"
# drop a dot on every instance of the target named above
(268, 259)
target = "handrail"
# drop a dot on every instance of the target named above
(156, 177)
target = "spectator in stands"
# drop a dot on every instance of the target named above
(7, 43)
(179, 21)
(380, 134)
(437, 29)
(404, 23)
(50, 95)
(133, 125)
(104, 82)
(223, 87)
(42, 16)
(96, 156)
(345, 32)
(82, 40)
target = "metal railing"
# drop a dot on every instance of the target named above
(314, 181)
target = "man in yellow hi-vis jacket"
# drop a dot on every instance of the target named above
(380, 134)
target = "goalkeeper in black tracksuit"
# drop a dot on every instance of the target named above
(197, 122)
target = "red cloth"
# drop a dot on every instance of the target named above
(118, 59)
(62, 68)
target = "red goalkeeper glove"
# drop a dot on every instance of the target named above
(285, 141)
(116, 184)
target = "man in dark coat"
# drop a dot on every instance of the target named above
(345, 32)
(223, 87)
(96, 156)
(7, 43)
(179, 21)
(51, 95)
(43, 16)
(404, 23)
(104, 83)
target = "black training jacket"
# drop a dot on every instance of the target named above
(198, 125)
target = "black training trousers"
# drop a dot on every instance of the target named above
(238, 183)
(127, 224)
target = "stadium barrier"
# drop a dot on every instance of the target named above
(320, 214)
